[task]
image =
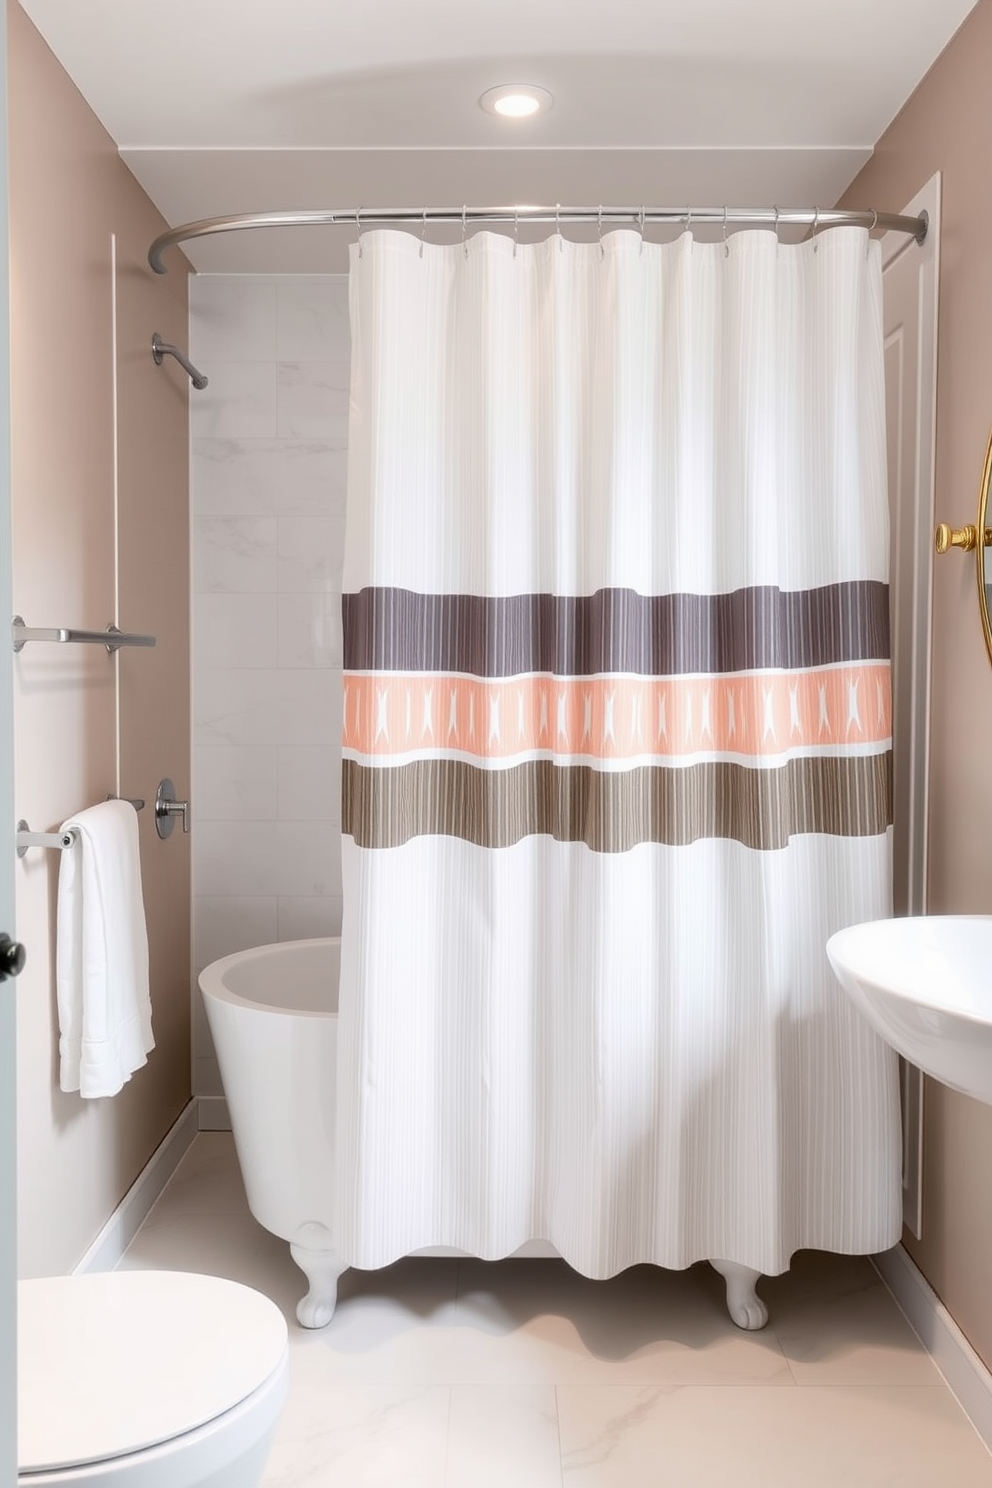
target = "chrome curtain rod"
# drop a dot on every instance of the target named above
(638, 217)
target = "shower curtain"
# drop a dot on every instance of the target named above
(616, 751)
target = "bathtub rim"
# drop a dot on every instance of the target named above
(212, 985)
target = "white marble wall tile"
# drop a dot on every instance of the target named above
(236, 783)
(227, 924)
(312, 400)
(500, 1435)
(269, 479)
(313, 318)
(237, 630)
(221, 926)
(234, 477)
(308, 860)
(237, 858)
(309, 631)
(232, 317)
(240, 403)
(337, 490)
(202, 1041)
(309, 784)
(267, 707)
(234, 555)
(310, 554)
(206, 1075)
(304, 919)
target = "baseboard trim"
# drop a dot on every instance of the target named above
(212, 1113)
(966, 1375)
(122, 1226)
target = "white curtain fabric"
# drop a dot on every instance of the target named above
(616, 751)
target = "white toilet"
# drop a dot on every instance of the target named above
(147, 1379)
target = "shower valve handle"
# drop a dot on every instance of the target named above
(167, 808)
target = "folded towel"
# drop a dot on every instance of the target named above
(105, 1014)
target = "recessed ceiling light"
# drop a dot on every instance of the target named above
(516, 100)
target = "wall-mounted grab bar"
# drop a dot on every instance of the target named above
(26, 838)
(162, 349)
(112, 638)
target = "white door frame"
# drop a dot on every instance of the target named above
(8, 1040)
(911, 504)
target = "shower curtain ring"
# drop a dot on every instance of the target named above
(778, 241)
(423, 235)
(874, 224)
(816, 228)
(358, 224)
(641, 220)
(688, 220)
(726, 245)
(561, 241)
(599, 219)
(516, 228)
(464, 239)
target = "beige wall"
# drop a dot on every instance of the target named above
(99, 442)
(947, 126)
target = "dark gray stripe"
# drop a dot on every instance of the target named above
(615, 811)
(615, 630)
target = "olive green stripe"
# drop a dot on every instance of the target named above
(613, 811)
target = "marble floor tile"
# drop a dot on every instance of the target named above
(818, 1276)
(207, 1181)
(537, 1320)
(391, 1326)
(445, 1373)
(860, 1339)
(704, 1437)
(360, 1436)
(501, 1435)
(838, 1325)
(213, 1244)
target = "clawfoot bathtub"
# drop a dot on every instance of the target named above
(273, 1016)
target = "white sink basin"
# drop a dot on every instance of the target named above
(925, 985)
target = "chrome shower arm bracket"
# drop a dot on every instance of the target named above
(162, 349)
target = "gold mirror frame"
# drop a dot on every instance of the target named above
(983, 558)
(966, 538)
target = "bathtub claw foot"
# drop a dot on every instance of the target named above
(743, 1303)
(312, 1252)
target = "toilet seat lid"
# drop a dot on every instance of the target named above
(111, 1363)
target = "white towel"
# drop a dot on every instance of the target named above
(105, 1014)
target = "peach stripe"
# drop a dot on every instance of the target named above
(617, 717)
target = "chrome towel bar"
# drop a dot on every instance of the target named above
(112, 638)
(26, 838)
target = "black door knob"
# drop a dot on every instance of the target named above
(12, 957)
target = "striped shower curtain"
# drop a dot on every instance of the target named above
(617, 754)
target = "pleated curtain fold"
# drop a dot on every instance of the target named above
(617, 751)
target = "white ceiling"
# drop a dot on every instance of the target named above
(222, 106)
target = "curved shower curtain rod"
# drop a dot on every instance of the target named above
(639, 217)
